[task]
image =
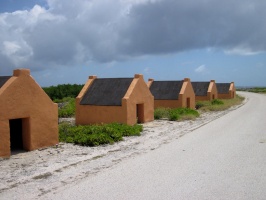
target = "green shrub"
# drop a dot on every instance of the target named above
(199, 104)
(175, 114)
(127, 130)
(186, 113)
(217, 102)
(68, 110)
(160, 113)
(94, 135)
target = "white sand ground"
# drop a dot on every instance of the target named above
(29, 175)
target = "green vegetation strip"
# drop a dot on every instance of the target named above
(255, 89)
(175, 114)
(218, 104)
(61, 91)
(94, 135)
(68, 108)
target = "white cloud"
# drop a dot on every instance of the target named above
(18, 52)
(201, 69)
(10, 48)
(242, 51)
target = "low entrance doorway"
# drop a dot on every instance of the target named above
(140, 113)
(19, 134)
(188, 102)
(16, 134)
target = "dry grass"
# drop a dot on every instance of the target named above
(227, 103)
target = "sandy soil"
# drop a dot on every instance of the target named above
(28, 175)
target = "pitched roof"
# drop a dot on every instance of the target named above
(200, 88)
(106, 92)
(3, 80)
(223, 88)
(166, 90)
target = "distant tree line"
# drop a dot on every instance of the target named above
(61, 91)
(253, 89)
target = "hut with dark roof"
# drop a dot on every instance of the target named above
(205, 91)
(172, 94)
(28, 117)
(226, 90)
(121, 100)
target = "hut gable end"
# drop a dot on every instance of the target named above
(29, 118)
(3, 80)
(200, 88)
(106, 92)
(166, 90)
(223, 88)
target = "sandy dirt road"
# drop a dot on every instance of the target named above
(217, 156)
(224, 159)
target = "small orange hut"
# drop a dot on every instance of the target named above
(28, 117)
(121, 100)
(205, 91)
(226, 90)
(172, 94)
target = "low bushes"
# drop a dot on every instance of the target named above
(175, 114)
(160, 113)
(68, 107)
(199, 104)
(258, 90)
(62, 91)
(94, 135)
(218, 104)
(255, 90)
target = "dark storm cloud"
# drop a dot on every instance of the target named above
(171, 26)
(67, 34)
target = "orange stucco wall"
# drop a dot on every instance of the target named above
(212, 93)
(22, 97)
(202, 98)
(231, 94)
(186, 92)
(138, 93)
(90, 114)
(167, 104)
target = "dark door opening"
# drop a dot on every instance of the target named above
(140, 113)
(16, 139)
(213, 96)
(188, 102)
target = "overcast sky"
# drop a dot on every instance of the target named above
(65, 41)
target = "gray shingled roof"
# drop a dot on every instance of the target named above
(200, 88)
(166, 90)
(106, 92)
(3, 80)
(223, 88)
